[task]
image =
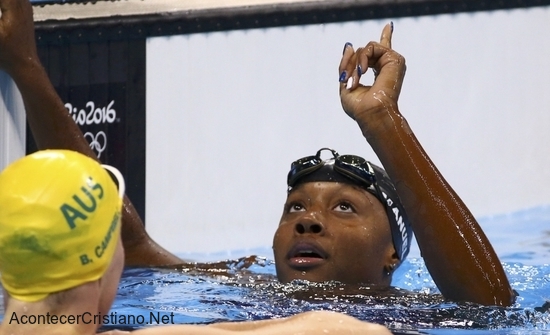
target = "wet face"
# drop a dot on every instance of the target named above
(333, 231)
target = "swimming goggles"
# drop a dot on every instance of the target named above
(354, 167)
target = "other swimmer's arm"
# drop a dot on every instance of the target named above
(308, 323)
(457, 253)
(51, 124)
(312, 322)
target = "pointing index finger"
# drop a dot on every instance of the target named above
(385, 38)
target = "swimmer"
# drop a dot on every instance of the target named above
(61, 256)
(346, 219)
(59, 241)
(342, 221)
(375, 238)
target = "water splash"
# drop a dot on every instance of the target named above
(247, 289)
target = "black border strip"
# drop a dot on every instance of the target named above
(143, 26)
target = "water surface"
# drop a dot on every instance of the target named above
(245, 288)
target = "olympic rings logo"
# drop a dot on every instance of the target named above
(98, 143)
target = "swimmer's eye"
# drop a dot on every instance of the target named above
(295, 207)
(345, 207)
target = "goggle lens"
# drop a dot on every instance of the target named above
(301, 167)
(354, 167)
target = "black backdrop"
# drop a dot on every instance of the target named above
(103, 86)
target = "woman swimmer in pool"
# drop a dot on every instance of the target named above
(355, 220)
(331, 229)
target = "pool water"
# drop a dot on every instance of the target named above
(245, 288)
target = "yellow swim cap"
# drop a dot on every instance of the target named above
(59, 222)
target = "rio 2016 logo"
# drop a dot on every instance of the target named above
(94, 115)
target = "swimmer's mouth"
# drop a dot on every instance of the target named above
(304, 255)
(308, 253)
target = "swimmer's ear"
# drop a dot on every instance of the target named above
(392, 264)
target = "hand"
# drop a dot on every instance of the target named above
(363, 102)
(17, 41)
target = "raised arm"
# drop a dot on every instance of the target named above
(51, 124)
(457, 253)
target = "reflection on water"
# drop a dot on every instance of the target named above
(247, 289)
(241, 290)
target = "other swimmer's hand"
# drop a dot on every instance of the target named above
(362, 102)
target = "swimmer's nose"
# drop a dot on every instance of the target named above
(309, 227)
